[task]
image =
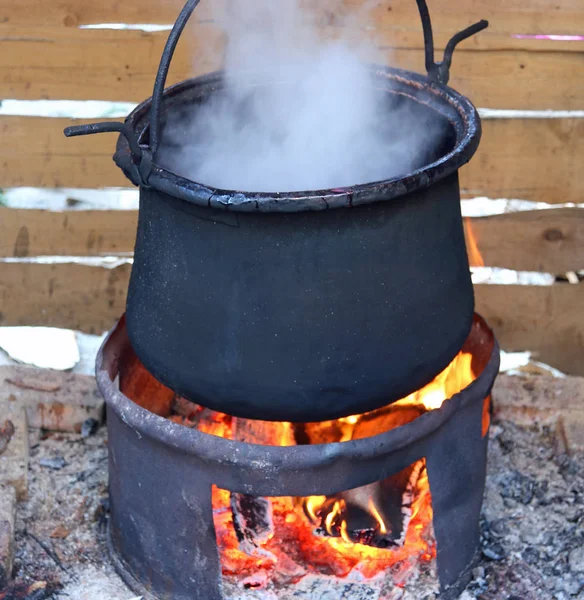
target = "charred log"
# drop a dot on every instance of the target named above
(252, 516)
(252, 521)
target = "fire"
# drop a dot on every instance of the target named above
(373, 510)
(350, 532)
(474, 255)
(457, 376)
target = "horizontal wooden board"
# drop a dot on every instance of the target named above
(74, 296)
(73, 64)
(549, 241)
(546, 320)
(34, 152)
(546, 241)
(506, 16)
(529, 159)
(25, 233)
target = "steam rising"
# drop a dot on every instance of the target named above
(296, 112)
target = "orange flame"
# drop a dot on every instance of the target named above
(474, 256)
(373, 510)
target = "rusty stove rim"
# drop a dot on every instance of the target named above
(215, 449)
(467, 125)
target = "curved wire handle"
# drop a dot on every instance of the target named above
(142, 156)
(163, 69)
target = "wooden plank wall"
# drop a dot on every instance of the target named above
(44, 54)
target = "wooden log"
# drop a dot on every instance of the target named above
(253, 516)
(74, 64)
(53, 400)
(530, 159)
(375, 515)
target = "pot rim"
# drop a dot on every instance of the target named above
(221, 451)
(449, 103)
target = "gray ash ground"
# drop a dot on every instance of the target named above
(532, 528)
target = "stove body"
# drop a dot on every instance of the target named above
(162, 536)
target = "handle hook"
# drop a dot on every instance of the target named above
(440, 71)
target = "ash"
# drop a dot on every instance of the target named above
(532, 529)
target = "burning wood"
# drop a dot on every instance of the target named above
(376, 515)
(252, 520)
(253, 517)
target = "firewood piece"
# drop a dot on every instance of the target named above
(326, 432)
(267, 433)
(252, 517)
(252, 521)
(386, 419)
(7, 519)
(375, 515)
(367, 425)
(14, 459)
(53, 400)
(185, 408)
(178, 420)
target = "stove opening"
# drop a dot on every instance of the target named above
(354, 535)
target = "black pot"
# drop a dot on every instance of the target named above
(304, 306)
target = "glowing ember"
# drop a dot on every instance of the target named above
(352, 532)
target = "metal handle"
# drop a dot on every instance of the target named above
(162, 74)
(142, 156)
(440, 71)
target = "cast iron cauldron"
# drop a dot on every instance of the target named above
(300, 306)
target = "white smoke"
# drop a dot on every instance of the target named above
(296, 113)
